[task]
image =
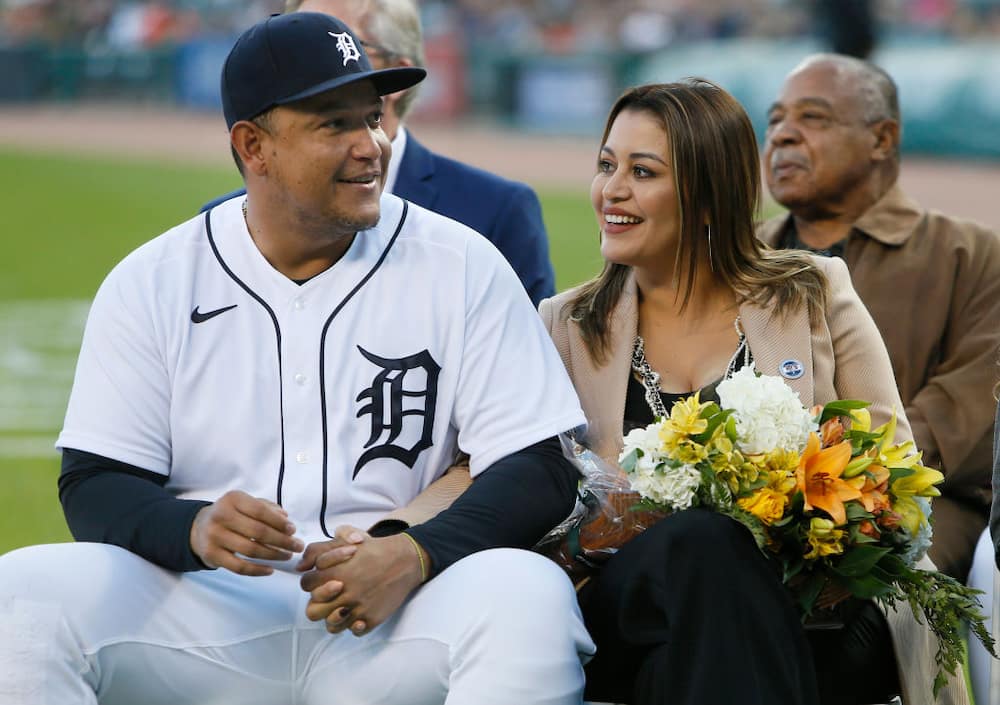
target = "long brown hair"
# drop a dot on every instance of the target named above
(715, 165)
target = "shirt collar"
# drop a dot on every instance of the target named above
(892, 219)
(398, 147)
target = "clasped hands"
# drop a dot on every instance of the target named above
(354, 580)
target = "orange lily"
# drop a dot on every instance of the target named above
(832, 432)
(873, 491)
(818, 478)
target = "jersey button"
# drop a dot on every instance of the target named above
(300, 379)
(299, 304)
(301, 457)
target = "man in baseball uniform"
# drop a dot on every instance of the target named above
(505, 212)
(259, 381)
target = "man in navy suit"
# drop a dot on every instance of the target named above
(506, 212)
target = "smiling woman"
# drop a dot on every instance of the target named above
(687, 296)
(649, 228)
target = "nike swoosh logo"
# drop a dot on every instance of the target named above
(199, 317)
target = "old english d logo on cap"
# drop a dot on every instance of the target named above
(791, 369)
(288, 58)
(346, 46)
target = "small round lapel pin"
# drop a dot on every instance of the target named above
(791, 369)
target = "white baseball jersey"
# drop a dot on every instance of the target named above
(341, 398)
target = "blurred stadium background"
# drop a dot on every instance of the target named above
(110, 132)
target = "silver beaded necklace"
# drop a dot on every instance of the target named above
(650, 378)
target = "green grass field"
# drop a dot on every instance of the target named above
(68, 220)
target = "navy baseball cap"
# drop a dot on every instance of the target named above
(289, 57)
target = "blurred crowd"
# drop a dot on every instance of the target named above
(551, 25)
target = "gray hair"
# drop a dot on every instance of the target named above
(395, 26)
(875, 87)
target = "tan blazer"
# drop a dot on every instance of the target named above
(846, 333)
(843, 357)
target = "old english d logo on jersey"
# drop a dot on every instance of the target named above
(346, 46)
(393, 384)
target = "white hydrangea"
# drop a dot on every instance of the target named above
(768, 413)
(646, 439)
(673, 488)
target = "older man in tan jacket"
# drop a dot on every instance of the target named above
(931, 282)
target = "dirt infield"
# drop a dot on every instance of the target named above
(966, 189)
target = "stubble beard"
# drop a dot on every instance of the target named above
(337, 225)
(357, 224)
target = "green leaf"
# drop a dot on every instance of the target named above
(792, 567)
(946, 606)
(784, 521)
(856, 511)
(628, 462)
(753, 524)
(854, 535)
(859, 561)
(893, 565)
(867, 586)
(897, 473)
(860, 538)
(861, 436)
(713, 423)
(710, 410)
(807, 592)
(841, 407)
(731, 429)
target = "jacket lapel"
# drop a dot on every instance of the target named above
(780, 343)
(415, 182)
(602, 388)
(773, 341)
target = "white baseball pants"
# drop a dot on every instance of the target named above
(82, 624)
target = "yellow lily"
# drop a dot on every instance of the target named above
(824, 539)
(769, 502)
(729, 464)
(886, 431)
(919, 484)
(778, 460)
(901, 455)
(765, 504)
(861, 420)
(818, 478)
(911, 516)
(684, 421)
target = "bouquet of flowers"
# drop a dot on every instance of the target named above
(839, 505)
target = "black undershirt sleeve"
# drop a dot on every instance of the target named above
(514, 503)
(108, 501)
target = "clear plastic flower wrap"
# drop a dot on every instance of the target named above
(604, 518)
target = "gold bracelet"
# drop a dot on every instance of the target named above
(420, 557)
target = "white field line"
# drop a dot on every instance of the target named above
(39, 342)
